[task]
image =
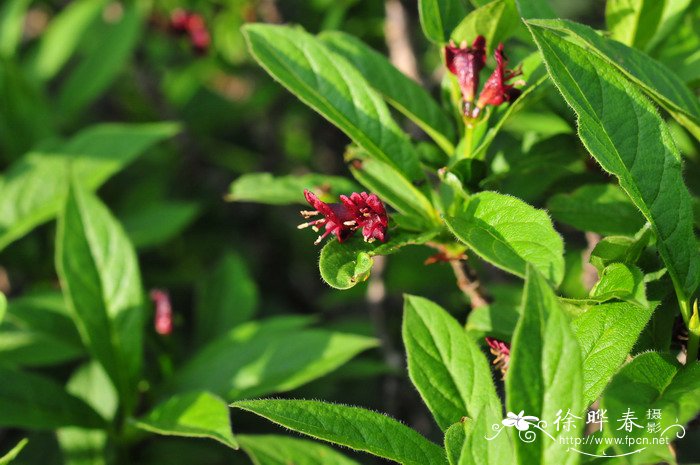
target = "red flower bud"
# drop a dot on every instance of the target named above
(497, 90)
(163, 320)
(466, 63)
(359, 211)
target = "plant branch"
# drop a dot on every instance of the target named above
(470, 288)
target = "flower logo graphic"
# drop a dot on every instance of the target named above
(521, 421)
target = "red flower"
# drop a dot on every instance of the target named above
(466, 63)
(501, 350)
(359, 211)
(163, 320)
(497, 90)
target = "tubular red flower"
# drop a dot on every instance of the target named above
(496, 89)
(359, 211)
(501, 350)
(163, 320)
(466, 63)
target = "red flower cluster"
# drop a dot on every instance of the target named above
(467, 62)
(163, 320)
(359, 211)
(192, 24)
(501, 350)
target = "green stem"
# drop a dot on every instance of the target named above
(468, 139)
(693, 342)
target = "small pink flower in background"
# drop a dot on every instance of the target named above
(501, 350)
(163, 320)
(192, 24)
(360, 211)
(497, 90)
(466, 63)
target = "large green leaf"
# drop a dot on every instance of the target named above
(283, 450)
(602, 208)
(658, 81)
(496, 21)
(34, 402)
(545, 373)
(13, 453)
(330, 85)
(439, 17)
(606, 334)
(102, 64)
(273, 356)
(101, 281)
(194, 415)
(510, 234)
(3, 306)
(450, 371)
(344, 265)
(352, 427)
(625, 134)
(227, 297)
(653, 381)
(38, 331)
(633, 22)
(284, 190)
(33, 189)
(399, 90)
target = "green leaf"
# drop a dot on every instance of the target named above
(63, 35)
(439, 17)
(402, 92)
(653, 381)
(352, 427)
(391, 186)
(545, 373)
(156, 223)
(14, 452)
(455, 437)
(286, 190)
(12, 16)
(509, 233)
(38, 331)
(191, 415)
(281, 450)
(631, 141)
(101, 281)
(106, 58)
(623, 249)
(633, 22)
(620, 281)
(658, 81)
(450, 371)
(606, 334)
(344, 265)
(602, 208)
(34, 402)
(330, 85)
(33, 189)
(260, 358)
(227, 298)
(496, 21)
